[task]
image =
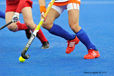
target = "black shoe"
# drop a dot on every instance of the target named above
(28, 33)
(45, 45)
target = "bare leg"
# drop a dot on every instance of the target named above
(74, 20)
(51, 16)
(27, 15)
(8, 18)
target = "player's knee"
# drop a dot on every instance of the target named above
(47, 25)
(75, 27)
(12, 28)
(29, 23)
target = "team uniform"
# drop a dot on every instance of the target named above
(17, 6)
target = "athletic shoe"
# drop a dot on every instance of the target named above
(92, 54)
(28, 33)
(45, 45)
(71, 45)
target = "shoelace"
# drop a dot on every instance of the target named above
(71, 44)
(92, 52)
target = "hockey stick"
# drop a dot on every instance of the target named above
(23, 53)
(6, 25)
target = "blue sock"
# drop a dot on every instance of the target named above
(58, 31)
(2, 15)
(85, 40)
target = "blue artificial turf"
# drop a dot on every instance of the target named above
(97, 19)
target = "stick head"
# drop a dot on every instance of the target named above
(25, 56)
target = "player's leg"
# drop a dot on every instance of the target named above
(2, 14)
(27, 15)
(10, 9)
(55, 29)
(22, 26)
(81, 34)
(8, 18)
(14, 26)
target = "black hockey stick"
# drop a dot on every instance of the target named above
(6, 25)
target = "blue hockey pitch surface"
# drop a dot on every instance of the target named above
(96, 18)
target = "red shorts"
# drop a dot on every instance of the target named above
(11, 7)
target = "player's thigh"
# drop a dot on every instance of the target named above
(51, 16)
(27, 16)
(8, 18)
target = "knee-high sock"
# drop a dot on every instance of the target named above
(83, 37)
(40, 35)
(21, 26)
(58, 31)
(2, 15)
